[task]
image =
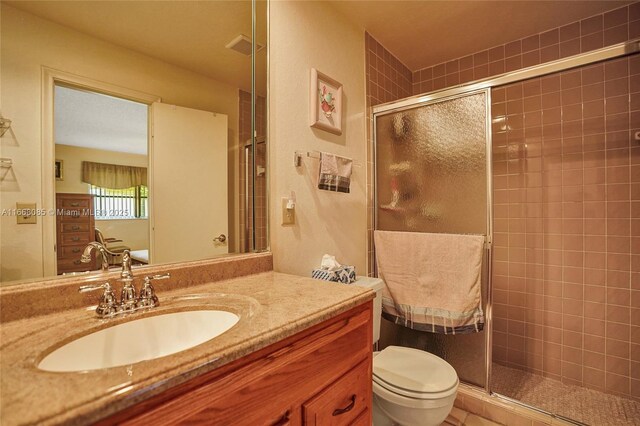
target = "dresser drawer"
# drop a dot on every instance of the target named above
(74, 227)
(74, 265)
(342, 402)
(72, 252)
(75, 238)
(82, 203)
(72, 215)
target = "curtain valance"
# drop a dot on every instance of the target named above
(113, 176)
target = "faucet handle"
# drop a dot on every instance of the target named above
(108, 304)
(92, 287)
(150, 278)
(148, 296)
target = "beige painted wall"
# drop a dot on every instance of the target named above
(73, 156)
(28, 43)
(133, 232)
(305, 35)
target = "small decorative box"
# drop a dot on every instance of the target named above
(345, 275)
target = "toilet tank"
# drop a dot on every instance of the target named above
(374, 284)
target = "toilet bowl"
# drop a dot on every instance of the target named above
(410, 387)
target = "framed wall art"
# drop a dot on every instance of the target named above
(325, 103)
(59, 169)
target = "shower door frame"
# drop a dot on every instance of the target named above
(437, 98)
(559, 65)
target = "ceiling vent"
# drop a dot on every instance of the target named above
(242, 44)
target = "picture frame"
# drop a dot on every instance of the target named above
(59, 169)
(325, 101)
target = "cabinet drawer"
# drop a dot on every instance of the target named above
(74, 227)
(75, 238)
(364, 419)
(73, 265)
(73, 252)
(342, 402)
(73, 215)
(81, 203)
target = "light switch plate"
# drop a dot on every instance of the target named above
(288, 215)
(26, 213)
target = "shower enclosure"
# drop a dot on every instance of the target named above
(546, 163)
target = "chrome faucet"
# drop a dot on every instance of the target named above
(109, 306)
(128, 301)
(86, 256)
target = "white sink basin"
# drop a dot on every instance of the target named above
(139, 340)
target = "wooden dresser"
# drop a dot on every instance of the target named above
(75, 228)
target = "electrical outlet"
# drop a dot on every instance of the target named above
(288, 215)
(26, 213)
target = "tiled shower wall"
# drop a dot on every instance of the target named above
(598, 31)
(566, 277)
(388, 79)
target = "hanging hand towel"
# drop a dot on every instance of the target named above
(335, 172)
(432, 281)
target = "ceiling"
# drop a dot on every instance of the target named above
(189, 34)
(426, 33)
(193, 34)
(92, 120)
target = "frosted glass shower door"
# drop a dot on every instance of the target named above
(431, 176)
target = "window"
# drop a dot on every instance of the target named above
(130, 203)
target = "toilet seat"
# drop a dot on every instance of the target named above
(400, 373)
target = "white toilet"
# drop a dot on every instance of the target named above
(410, 387)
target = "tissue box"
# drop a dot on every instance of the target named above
(346, 274)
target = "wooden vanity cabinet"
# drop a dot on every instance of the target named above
(320, 376)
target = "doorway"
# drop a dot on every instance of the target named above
(101, 184)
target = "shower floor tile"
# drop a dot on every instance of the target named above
(575, 402)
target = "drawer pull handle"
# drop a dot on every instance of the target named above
(75, 250)
(75, 239)
(77, 262)
(75, 228)
(352, 404)
(284, 420)
(76, 204)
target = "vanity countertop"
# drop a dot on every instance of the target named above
(272, 306)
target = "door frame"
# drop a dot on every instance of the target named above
(50, 78)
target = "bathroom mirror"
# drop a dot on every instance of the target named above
(139, 125)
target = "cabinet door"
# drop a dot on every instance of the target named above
(343, 401)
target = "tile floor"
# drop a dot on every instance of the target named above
(459, 417)
(574, 402)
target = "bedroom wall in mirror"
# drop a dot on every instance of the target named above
(132, 125)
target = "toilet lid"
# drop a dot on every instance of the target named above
(413, 372)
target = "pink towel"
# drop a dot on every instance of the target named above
(432, 281)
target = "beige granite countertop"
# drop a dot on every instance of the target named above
(272, 306)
